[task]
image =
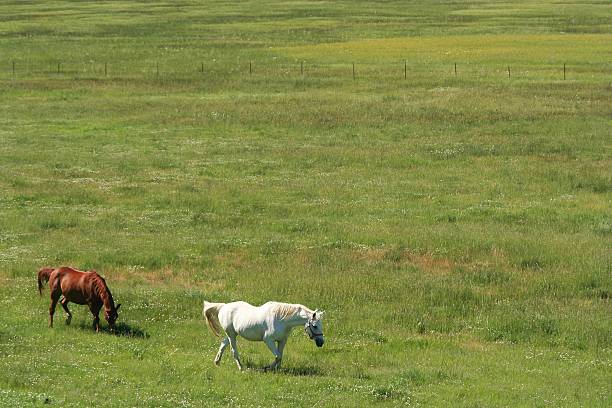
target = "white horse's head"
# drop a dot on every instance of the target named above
(314, 328)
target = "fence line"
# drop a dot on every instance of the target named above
(331, 70)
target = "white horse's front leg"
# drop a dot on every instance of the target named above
(224, 344)
(235, 354)
(277, 354)
(281, 347)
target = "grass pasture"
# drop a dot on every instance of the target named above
(456, 228)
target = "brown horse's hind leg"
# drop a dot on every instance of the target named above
(64, 303)
(55, 295)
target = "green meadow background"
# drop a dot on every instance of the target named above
(423, 171)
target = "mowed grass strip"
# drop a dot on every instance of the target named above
(515, 48)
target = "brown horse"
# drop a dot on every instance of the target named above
(82, 288)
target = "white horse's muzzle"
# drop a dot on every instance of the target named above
(317, 336)
(319, 340)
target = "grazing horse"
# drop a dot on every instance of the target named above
(82, 288)
(271, 323)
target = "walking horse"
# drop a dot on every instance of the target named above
(271, 323)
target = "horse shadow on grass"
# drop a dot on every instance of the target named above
(294, 371)
(121, 329)
(128, 330)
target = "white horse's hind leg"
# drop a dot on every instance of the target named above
(224, 344)
(232, 340)
(277, 354)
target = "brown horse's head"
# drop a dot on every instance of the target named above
(111, 316)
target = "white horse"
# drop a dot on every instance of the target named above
(271, 323)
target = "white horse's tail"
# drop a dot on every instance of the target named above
(211, 314)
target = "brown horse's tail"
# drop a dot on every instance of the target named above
(211, 314)
(43, 277)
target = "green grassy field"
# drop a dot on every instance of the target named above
(455, 227)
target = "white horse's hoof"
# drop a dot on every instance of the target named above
(271, 367)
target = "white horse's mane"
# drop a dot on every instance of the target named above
(285, 310)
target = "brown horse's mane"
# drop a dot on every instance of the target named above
(105, 294)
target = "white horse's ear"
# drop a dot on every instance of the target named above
(321, 313)
(314, 315)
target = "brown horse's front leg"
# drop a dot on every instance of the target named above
(95, 311)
